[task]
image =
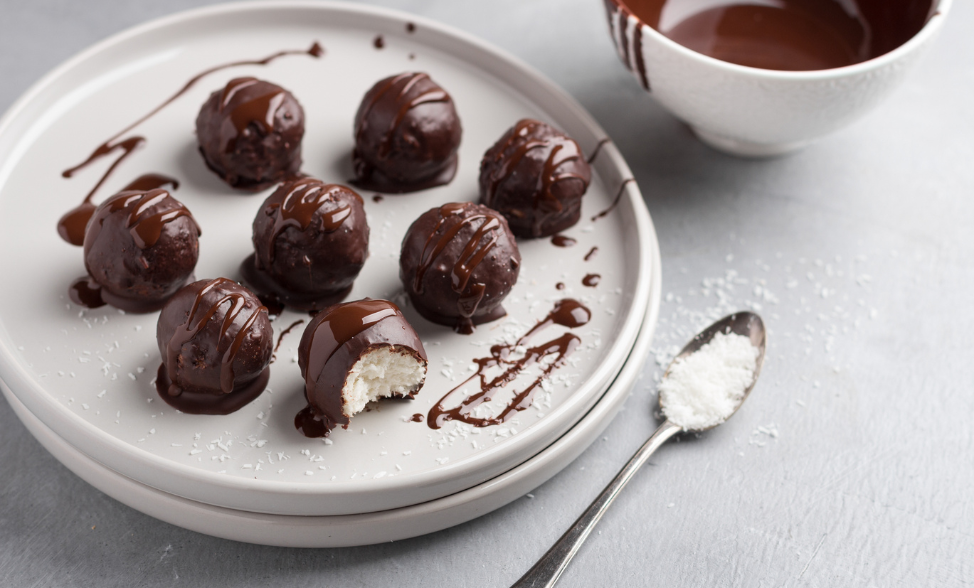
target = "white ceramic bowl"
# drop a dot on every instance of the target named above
(753, 112)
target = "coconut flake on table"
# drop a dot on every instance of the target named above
(704, 389)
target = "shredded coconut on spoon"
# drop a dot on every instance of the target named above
(704, 389)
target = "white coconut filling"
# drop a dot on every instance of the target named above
(380, 373)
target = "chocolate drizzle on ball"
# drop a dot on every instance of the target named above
(310, 240)
(535, 176)
(139, 248)
(568, 313)
(216, 341)
(458, 262)
(334, 342)
(71, 226)
(407, 133)
(250, 133)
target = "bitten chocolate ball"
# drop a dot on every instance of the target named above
(216, 341)
(407, 133)
(140, 248)
(311, 240)
(250, 133)
(352, 354)
(535, 176)
(457, 264)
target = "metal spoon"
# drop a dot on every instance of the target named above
(551, 565)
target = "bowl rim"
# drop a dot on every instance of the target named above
(939, 11)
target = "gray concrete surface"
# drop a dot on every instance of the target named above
(852, 462)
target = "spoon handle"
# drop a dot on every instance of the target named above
(549, 568)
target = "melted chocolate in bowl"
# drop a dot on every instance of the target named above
(789, 35)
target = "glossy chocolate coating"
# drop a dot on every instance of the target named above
(216, 341)
(311, 240)
(535, 176)
(140, 247)
(457, 264)
(331, 345)
(407, 133)
(250, 132)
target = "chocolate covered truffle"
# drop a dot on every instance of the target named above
(250, 133)
(311, 240)
(140, 247)
(407, 133)
(535, 176)
(457, 264)
(352, 354)
(216, 341)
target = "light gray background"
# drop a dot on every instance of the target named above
(850, 465)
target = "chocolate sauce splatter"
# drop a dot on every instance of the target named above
(410, 27)
(71, 226)
(562, 241)
(591, 280)
(622, 188)
(379, 42)
(591, 253)
(568, 313)
(280, 338)
(598, 148)
(377, 198)
(418, 417)
(86, 293)
(560, 286)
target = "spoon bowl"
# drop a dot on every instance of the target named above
(744, 323)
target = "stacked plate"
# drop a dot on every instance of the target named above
(82, 380)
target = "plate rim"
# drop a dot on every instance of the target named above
(42, 403)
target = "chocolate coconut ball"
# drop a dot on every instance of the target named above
(535, 176)
(311, 240)
(457, 264)
(352, 354)
(140, 248)
(407, 133)
(216, 340)
(250, 133)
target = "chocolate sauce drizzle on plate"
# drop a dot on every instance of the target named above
(591, 280)
(71, 226)
(598, 148)
(568, 313)
(280, 338)
(591, 253)
(378, 42)
(622, 189)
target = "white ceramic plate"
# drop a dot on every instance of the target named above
(87, 375)
(367, 528)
